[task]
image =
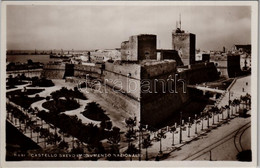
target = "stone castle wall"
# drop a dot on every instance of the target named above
(124, 77)
(199, 73)
(150, 107)
(119, 100)
(92, 71)
(28, 73)
(161, 101)
(54, 71)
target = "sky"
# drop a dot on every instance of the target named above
(105, 27)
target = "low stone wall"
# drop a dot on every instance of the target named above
(27, 73)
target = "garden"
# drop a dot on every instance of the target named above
(94, 112)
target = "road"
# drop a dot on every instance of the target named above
(221, 143)
(226, 148)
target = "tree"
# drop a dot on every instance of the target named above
(131, 150)
(131, 133)
(146, 144)
(221, 110)
(235, 103)
(29, 124)
(130, 136)
(161, 135)
(93, 107)
(63, 145)
(48, 98)
(114, 139)
(106, 124)
(130, 123)
(227, 107)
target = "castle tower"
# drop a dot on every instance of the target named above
(139, 47)
(185, 44)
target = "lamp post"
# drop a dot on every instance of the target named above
(196, 124)
(140, 139)
(213, 122)
(180, 127)
(208, 120)
(202, 119)
(189, 128)
(218, 116)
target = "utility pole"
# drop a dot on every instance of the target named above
(210, 156)
(201, 121)
(189, 128)
(196, 124)
(180, 127)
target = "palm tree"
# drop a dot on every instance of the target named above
(249, 99)
(227, 107)
(243, 101)
(232, 105)
(238, 102)
(130, 136)
(146, 144)
(222, 112)
(161, 135)
(114, 139)
(172, 130)
(202, 119)
(131, 150)
(130, 123)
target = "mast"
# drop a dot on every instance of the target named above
(180, 21)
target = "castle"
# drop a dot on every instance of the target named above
(139, 83)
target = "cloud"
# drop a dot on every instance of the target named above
(90, 27)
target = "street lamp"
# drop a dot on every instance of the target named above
(189, 128)
(180, 127)
(196, 124)
(202, 119)
(213, 115)
(208, 120)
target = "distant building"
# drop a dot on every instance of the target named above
(242, 48)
